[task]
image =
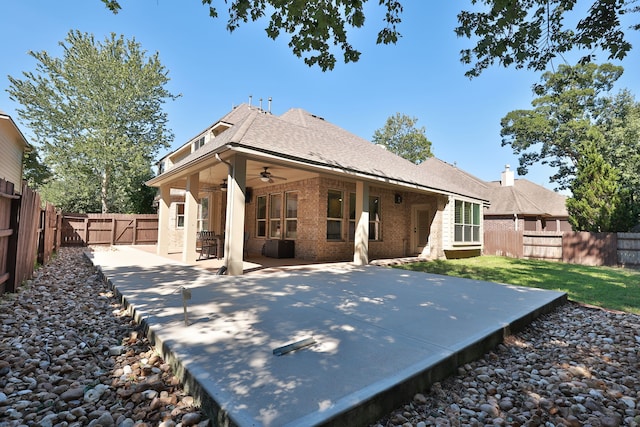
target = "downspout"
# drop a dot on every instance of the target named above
(515, 218)
(228, 218)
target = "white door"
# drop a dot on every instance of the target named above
(421, 228)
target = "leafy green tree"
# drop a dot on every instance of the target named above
(623, 140)
(35, 172)
(520, 33)
(569, 103)
(400, 136)
(596, 204)
(97, 112)
(532, 33)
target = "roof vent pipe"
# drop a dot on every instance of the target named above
(260, 104)
(269, 105)
(250, 100)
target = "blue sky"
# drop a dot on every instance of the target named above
(213, 70)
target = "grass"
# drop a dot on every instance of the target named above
(606, 287)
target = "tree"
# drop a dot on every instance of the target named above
(400, 136)
(596, 204)
(532, 33)
(97, 114)
(35, 173)
(521, 33)
(569, 103)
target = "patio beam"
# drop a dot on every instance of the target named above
(162, 248)
(361, 239)
(234, 235)
(190, 218)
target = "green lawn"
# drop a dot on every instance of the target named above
(607, 287)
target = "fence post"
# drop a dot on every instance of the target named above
(113, 230)
(135, 229)
(12, 249)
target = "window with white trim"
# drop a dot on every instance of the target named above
(467, 222)
(291, 215)
(334, 215)
(275, 214)
(179, 215)
(203, 214)
(198, 143)
(261, 216)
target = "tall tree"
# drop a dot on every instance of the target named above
(569, 103)
(97, 112)
(400, 136)
(596, 202)
(35, 172)
(521, 33)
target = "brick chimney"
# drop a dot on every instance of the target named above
(507, 178)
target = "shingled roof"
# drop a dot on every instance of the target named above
(525, 198)
(302, 137)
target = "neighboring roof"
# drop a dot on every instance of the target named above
(16, 130)
(305, 138)
(525, 198)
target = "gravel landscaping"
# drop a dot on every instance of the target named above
(71, 356)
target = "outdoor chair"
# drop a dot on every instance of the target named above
(207, 244)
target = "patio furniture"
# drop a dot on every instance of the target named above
(208, 244)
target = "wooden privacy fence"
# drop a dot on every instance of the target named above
(20, 225)
(571, 247)
(109, 229)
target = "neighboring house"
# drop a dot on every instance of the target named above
(519, 204)
(13, 145)
(256, 177)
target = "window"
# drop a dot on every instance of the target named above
(179, 215)
(352, 216)
(198, 143)
(334, 215)
(275, 212)
(291, 216)
(467, 222)
(261, 216)
(374, 217)
(203, 214)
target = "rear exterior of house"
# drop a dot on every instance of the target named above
(303, 184)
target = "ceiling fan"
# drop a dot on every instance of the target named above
(266, 176)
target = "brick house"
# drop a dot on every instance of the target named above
(519, 204)
(255, 178)
(13, 145)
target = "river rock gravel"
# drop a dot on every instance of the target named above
(70, 355)
(577, 366)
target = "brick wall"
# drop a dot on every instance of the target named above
(311, 241)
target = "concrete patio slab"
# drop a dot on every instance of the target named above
(380, 334)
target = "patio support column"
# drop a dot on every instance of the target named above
(361, 239)
(162, 248)
(234, 235)
(190, 218)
